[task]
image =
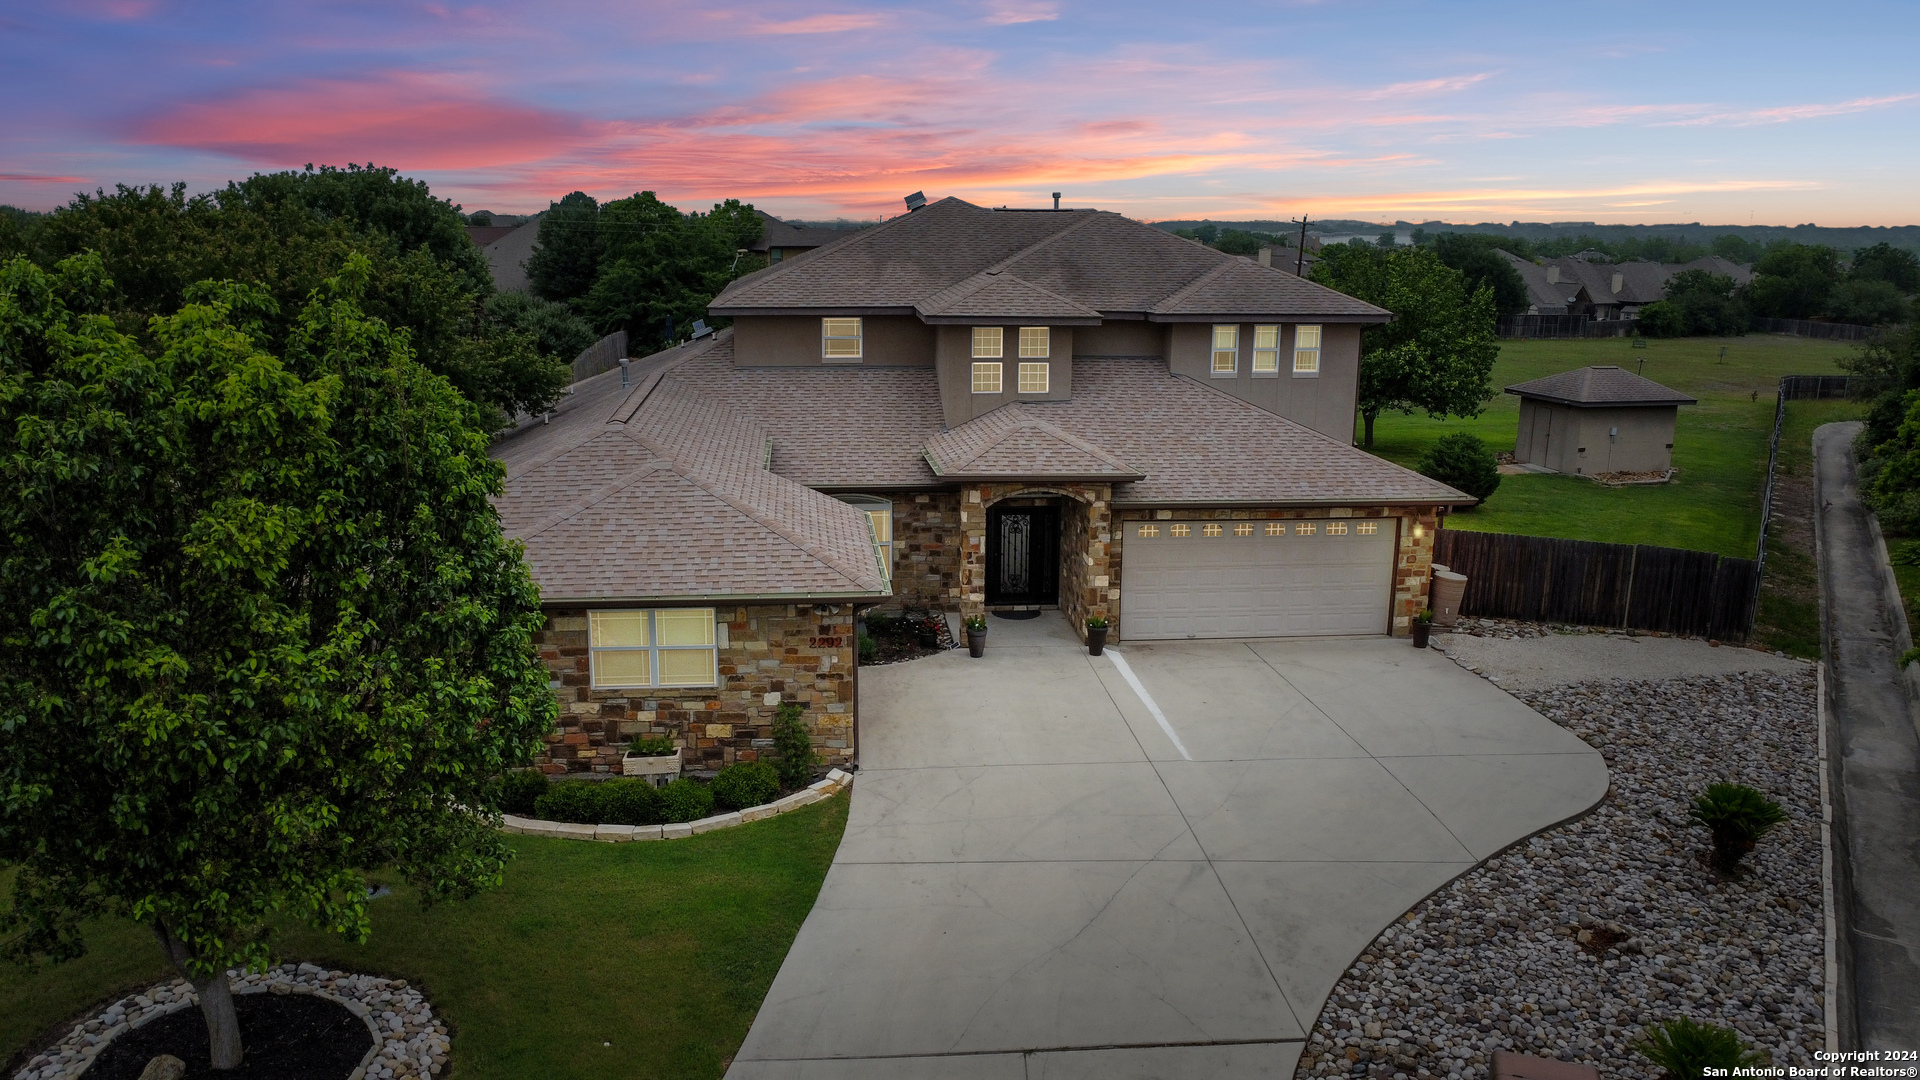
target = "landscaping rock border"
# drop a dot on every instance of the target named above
(407, 1040)
(836, 782)
(1570, 943)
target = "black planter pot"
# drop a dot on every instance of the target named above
(1096, 639)
(1420, 632)
(929, 637)
(976, 642)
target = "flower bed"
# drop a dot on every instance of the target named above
(836, 782)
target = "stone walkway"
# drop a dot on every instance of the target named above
(1877, 798)
(1050, 873)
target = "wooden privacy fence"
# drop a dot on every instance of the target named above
(1806, 328)
(1563, 326)
(1542, 579)
(602, 355)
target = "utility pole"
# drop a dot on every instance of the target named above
(1300, 256)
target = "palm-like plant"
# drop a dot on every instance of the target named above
(1738, 816)
(1686, 1048)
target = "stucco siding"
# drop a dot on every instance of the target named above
(954, 358)
(1322, 400)
(794, 341)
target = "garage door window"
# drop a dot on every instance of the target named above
(1336, 528)
(1243, 530)
(1367, 528)
(1305, 529)
(1179, 530)
(1149, 531)
(1275, 528)
(1209, 530)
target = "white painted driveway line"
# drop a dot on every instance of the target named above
(1120, 662)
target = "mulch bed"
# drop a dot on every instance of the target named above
(898, 638)
(287, 1037)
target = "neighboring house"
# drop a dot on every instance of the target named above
(780, 241)
(1577, 285)
(507, 248)
(1599, 419)
(961, 409)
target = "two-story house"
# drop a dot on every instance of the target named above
(965, 409)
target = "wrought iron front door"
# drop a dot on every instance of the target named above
(1023, 555)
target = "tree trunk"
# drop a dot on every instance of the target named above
(216, 1001)
(1366, 418)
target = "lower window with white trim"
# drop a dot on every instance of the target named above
(652, 647)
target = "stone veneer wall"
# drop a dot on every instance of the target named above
(1413, 559)
(926, 549)
(1085, 514)
(773, 653)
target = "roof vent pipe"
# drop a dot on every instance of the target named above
(915, 201)
(1056, 200)
(626, 372)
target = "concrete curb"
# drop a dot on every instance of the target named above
(836, 782)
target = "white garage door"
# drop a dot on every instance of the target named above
(1223, 579)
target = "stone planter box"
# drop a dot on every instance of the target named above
(660, 768)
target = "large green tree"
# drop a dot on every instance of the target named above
(1884, 262)
(567, 257)
(1437, 354)
(1697, 303)
(661, 265)
(1478, 257)
(260, 633)
(286, 233)
(1793, 281)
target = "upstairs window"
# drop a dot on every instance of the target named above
(1266, 349)
(986, 377)
(987, 342)
(1226, 349)
(664, 647)
(840, 339)
(1033, 378)
(1306, 350)
(1034, 343)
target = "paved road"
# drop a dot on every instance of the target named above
(1049, 873)
(1874, 737)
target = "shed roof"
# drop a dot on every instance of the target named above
(1600, 385)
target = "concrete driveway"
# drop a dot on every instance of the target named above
(1043, 878)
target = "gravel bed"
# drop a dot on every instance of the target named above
(409, 1040)
(1570, 943)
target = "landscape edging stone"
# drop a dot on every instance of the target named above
(837, 780)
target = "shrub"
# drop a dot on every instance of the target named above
(868, 650)
(654, 747)
(686, 800)
(746, 783)
(629, 801)
(520, 789)
(577, 801)
(793, 755)
(1737, 815)
(1462, 461)
(1686, 1049)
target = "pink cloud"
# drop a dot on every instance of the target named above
(417, 121)
(1014, 12)
(825, 23)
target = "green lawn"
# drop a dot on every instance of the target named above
(1720, 445)
(663, 949)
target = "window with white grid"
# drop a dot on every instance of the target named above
(1266, 349)
(1226, 349)
(840, 339)
(1306, 350)
(987, 341)
(1033, 377)
(1034, 342)
(986, 377)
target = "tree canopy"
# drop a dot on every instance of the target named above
(287, 232)
(1793, 281)
(1477, 256)
(259, 630)
(1437, 354)
(1698, 302)
(640, 265)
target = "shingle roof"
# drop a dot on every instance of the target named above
(993, 294)
(659, 491)
(856, 428)
(1598, 385)
(1097, 260)
(775, 233)
(1012, 443)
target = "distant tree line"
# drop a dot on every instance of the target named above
(284, 234)
(640, 265)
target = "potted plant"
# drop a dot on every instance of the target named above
(928, 627)
(976, 635)
(656, 759)
(1422, 626)
(1096, 634)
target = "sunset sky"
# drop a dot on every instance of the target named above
(1729, 113)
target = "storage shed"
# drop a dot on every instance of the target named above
(1598, 419)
